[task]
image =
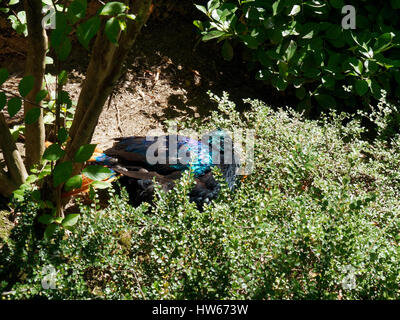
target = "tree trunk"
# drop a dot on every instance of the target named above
(35, 66)
(16, 169)
(7, 186)
(103, 71)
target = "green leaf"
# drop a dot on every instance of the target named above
(213, 34)
(3, 75)
(395, 4)
(53, 152)
(92, 192)
(122, 24)
(295, 10)
(112, 29)
(325, 101)
(62, 135)
(249, 41)
(77, 9)
(64, 98)
(275, 6)
(51, 228)
(383, 42)
(281, 84)
(70, 220)
(201, 8)
(18, 23)
(12, 2)
(361, 87)
(3, 100)
(14, 105)
(291, 50)
(337, 4)
(74, 182)
(355, 64)
(213, 4)
(300, 93)
(227, 51)
(46, 219)
(32, 115)
(113, 8)
(26, 85)
(36, 195)
(64, 49)
(19, 194)
(264, 58)
(84, 153)
(48, 60)
(198, 24)
(58, 35)
(328, 81)
(62, 172)
(334, 32)
(62, 78)
(375, 89)
(97, 173)
(101, 184)
(86, 31)
(41, 95)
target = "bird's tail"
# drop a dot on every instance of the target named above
(98, 157)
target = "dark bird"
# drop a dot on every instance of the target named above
(139, 160)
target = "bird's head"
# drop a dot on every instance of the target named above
(223, 154)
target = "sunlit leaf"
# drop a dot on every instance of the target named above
(53, 152)
(70, 220)
(84, 153)
(113, 8)
(97, 173)
(74, 182)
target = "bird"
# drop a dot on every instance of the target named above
(139, 159)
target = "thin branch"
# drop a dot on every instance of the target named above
(26, 100)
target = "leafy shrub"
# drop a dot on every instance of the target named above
(302, 45)
(318, 219)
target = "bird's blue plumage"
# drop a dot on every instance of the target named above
(166, 155)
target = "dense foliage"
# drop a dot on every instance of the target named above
(318, 218)
(303, 46)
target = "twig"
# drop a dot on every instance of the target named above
(26, 100)
(118, 119)
(139, 285)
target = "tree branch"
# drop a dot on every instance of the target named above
(12, 157)
(35, 66)
(103, 71)
(7, 186)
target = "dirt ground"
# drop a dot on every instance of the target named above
(166, 76)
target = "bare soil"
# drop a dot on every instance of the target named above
(166, 76)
